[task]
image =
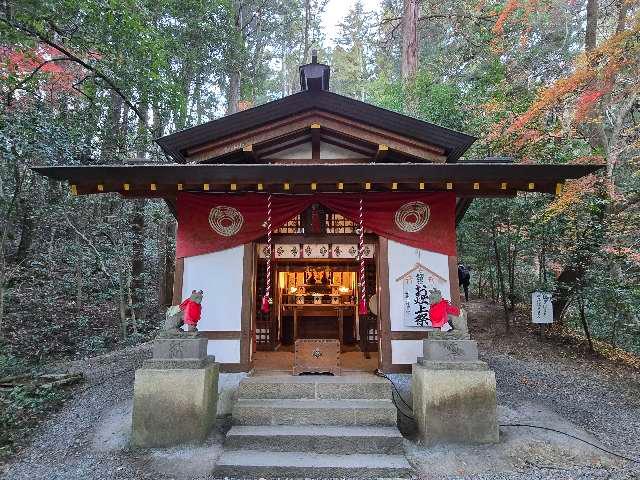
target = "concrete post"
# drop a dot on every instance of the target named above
(454, 394)
(175, 393)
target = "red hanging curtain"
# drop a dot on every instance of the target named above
(421, 220)
(209, 222)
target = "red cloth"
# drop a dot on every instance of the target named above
(243, 216)
(439, 313)
(192, 312)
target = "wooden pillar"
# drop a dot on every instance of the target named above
(340, 313)
(454, 285)
(177, 281)
(384, 311)
(247, 311)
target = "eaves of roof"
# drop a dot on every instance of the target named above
(454, 143)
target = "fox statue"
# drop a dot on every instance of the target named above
(187, 313)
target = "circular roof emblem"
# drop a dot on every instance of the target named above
(225, 221)
(412, 217)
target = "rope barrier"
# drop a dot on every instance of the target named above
(362, 306)
(267, 288)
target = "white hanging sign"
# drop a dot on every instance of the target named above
(350, 250)
(416, 285)
(282, 250)
(541, 307)
(316, 250)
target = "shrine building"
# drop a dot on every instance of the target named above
(317, 216)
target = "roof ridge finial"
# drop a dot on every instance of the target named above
(314, 75)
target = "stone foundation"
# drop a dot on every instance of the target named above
(174, 406)
(175, 393)
(454, 393)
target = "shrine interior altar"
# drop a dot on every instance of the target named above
(319, 302)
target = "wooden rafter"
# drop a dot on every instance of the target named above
(315, 141)
(363, 148)
(382, 152)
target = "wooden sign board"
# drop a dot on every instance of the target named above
(317, 356)
(541, 307)
(417, 284)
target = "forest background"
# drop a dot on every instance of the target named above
(86, 82)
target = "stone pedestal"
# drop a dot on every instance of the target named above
(175, 393)
(454, 393)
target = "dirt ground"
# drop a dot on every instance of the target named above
(547, 382)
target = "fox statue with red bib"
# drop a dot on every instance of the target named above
(187, 313)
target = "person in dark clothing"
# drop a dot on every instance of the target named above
(464, 279)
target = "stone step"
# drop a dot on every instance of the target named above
(314, 412)
(258, 463)
(315, 387)
(317, 439)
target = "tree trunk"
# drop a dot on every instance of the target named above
(168, 263)
(492, 286)
(542, 266)
(283, 70)
(409, 39)
(614, 329)
(133, 318)
(307, 21)
(79, 280)
(565, 283)
(622, 15)
(590, 36)
(500, 278)
(137, 222)
(233, 91)
(112, 134)
(137, 257)
(585, 325)
(26, 230)
(122, 304)
(2, 293)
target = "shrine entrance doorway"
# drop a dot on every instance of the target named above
(315, 277)
(316, 299)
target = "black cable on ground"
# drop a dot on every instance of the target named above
(572, 436)
(410, 416)
(383, 375)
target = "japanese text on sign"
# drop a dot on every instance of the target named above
(541, 307)
(415, 296)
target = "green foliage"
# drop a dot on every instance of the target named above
(21, 408)
(79, 276)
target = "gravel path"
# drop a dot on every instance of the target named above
(88, 437)
(63, 447)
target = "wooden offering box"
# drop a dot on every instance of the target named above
(317, 356)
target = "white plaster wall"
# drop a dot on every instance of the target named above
(405, 351)
(225, 351)
(403, 258)
(327, 151)
(299, 151)
(219, 274)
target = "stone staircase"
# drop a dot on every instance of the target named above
(314, 426)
